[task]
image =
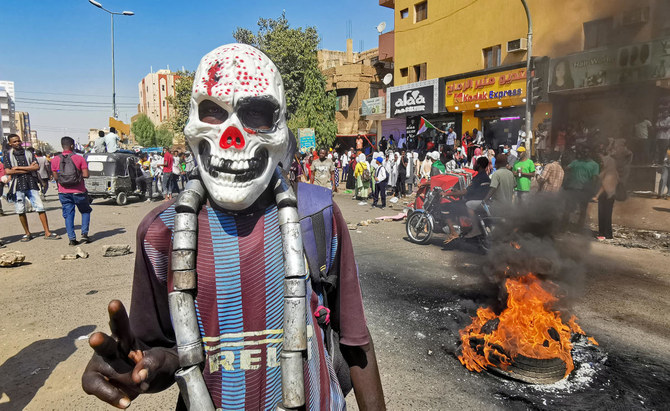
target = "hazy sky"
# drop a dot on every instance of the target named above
(60, 50)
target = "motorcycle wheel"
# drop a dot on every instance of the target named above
(419, 228)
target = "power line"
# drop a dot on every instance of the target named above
(66, 94)
(26, 99)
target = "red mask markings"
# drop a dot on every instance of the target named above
(213, 77)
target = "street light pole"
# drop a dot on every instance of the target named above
(115, 114)
(529, 53)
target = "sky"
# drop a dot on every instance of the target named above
(58, 53)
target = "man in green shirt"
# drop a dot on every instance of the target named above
(524, 170)
(580, 186)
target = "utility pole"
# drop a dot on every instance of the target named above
(115, 114)
(529, 77)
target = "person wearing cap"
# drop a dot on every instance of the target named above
(524, 170)
(381, 177)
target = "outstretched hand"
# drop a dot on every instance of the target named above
(119, 371)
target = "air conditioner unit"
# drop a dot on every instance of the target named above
(517, 45)
(636, 16)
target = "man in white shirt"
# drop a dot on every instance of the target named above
(112, 141)
(381, 178)
(99, 143)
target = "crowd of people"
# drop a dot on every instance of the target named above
(26, 173)
(589, 170)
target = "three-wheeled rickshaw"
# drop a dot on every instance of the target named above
(112, 175)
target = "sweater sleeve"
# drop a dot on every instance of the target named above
(149, 311)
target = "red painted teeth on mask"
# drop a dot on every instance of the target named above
(232, 137)
(249, 131)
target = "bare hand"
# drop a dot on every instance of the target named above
(119, 371)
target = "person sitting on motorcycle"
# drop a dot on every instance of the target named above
(437, 167)
(472, 197)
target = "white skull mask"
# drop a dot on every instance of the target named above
(237, 124)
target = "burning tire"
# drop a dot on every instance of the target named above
(533, 370)
(419, 228)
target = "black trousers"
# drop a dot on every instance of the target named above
(605, 208)
(145, 185)
(380, 188)
(400, 188)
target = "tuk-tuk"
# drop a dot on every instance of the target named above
(112, 175)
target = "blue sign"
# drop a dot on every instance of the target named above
(307, 139)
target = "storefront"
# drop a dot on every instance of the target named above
(607, 92)
(493, 101)
(406, 104)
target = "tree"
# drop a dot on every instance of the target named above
(292, 50)
(144, 130)
(316, 109)
(181, 102)
(165, 135)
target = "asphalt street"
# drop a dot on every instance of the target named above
(416, 298)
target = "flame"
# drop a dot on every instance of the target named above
(515, 245)
(526, 327)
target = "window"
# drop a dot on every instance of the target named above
(404, 13)
(162, 87)
(597, 33)
(403, 72)
(420, 11)
(163, 103)
(492, 56)
(418, 73)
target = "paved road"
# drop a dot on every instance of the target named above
(417, 298)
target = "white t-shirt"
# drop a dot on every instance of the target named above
(642, 129)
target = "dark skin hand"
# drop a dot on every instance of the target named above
(119, 370)
(365, 376)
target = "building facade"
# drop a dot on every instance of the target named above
(22, 120)
(356, 79)
(153, 92)
(7, 111)
(609, 57)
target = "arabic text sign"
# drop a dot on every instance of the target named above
(508, 87)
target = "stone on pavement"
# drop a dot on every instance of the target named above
(115, 250)
(81, 253)
(11, 258)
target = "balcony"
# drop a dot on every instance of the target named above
(386, 46)
(387, 3)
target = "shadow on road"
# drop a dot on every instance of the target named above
(22, 375)
(667, 210)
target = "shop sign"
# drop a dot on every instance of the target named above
(507, 87)
(374, 105)
(616, 65)
(412, 99)
(307, 139)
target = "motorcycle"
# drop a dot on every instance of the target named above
(424, 222)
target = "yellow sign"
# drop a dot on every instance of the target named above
(502, 89)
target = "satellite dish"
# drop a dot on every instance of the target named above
(381, 26)
(388, 78)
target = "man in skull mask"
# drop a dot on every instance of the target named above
(237, 129)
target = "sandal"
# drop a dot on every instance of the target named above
(52, 236)
(26, 238)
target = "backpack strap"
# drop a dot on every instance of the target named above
(315, 209)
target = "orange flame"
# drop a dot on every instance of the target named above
(515, 245)
(526, 327)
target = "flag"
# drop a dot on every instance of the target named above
(424, 125)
